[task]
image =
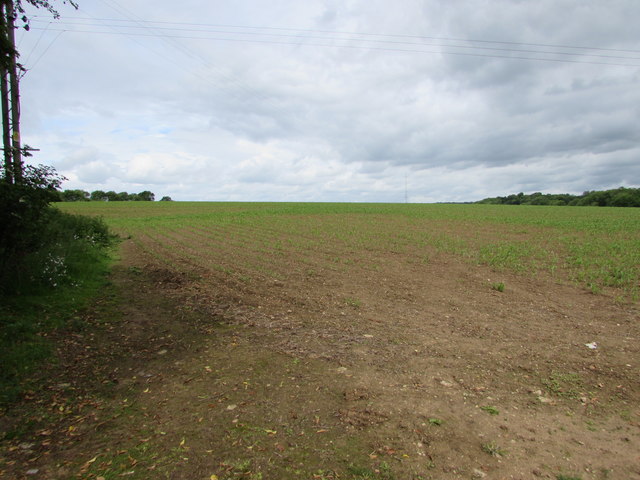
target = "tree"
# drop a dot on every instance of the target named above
(166, 199)
(111, 196)
(625, 198)
(539, 199)
(122, 197)
(98, 196)
(74, 196)
(620, 197)
(146, 196)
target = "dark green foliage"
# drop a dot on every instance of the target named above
(100, 196)
(37, 242)
(619, 197)
(146, 196)
(23, 209)
(625, 199)
(49, 251)
(74, 196)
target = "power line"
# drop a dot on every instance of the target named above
(392, 42)
(38, 42)
(139, 22)
(248, 93)
(369, 34)
(388, 49)
(132, 18)
(45, 51)
(121, 10)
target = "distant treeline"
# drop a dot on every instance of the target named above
(111, 196)
(619, 197)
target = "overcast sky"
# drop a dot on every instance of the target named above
(336, 100)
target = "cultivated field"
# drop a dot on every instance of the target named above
(363, 341)
(593, 247)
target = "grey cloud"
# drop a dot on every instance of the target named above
(231, 120)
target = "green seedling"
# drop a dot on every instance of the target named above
(491, 410)
(493, 449)
(565, 385)
(353, 302)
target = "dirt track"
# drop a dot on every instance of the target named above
(414, 371)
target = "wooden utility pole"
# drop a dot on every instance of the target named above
(6, 128)
(14, 83)
(10, 91)
(4, 93)
(10, 88)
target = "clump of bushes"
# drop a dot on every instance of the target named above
(41, 246)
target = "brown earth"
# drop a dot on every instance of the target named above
(414, 371)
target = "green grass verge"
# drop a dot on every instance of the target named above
(28, 315)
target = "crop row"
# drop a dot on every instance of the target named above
(597, 248)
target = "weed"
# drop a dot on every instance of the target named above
(491, 410)
(625, 415)
(493, 449)
(435, 421)
(565, 385)
(321, 475)
(353, 302)
(591, 426)
(357, 472)
(383, 472)
(498, 286)
(567, 477)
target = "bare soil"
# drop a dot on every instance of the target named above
(415, 371)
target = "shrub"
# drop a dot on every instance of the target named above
(39, 244)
